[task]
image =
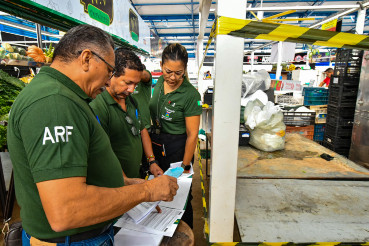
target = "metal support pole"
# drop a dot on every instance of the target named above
(260, 14)
(226, 121)
(360, 22)
(39, 36)
(193, 26)
(279, 61)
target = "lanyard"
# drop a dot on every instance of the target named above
(158, 122)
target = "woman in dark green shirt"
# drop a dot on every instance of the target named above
(175, 109)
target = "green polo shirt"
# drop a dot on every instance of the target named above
(173, 107)
(142, 95)
(53, 134)
(126, 146)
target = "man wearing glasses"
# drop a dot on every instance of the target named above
(119, 116)
(68, 181)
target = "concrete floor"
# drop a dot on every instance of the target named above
(198, 211)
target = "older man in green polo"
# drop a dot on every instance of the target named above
(68, 181)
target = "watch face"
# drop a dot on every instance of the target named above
(188, 167)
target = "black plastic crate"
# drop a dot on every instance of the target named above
(334, 120)
(342, 102)
(341, 111)
(347, 69)
(299, 118)
(337, 130)
(342, 95)
(337, 141)
(343, 90)
(348, 63)
(348, 79)
(339, 150)
(348, 53)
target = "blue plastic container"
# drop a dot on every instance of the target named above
(319, 132)
(315, 96)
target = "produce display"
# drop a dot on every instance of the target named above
(33, 53)
(10, 87)
(36, 53)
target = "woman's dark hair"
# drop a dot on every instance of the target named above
(175, 52)
(82, 37)
(126, 59)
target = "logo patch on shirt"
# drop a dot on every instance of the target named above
(61, 134)
(166, 116)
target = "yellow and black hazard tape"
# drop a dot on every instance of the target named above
(211, 36)
(289, 33)
(206, 225)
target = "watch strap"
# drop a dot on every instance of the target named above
(186, 167)
(152, 162)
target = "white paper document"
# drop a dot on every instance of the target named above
(137, 238)
(158, 223)
(180, 198)
(142, 210)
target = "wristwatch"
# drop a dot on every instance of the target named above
(152, 162)
(186, 167)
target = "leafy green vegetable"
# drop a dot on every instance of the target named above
(10, 87)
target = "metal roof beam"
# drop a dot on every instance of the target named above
(362, 4)
(153, 27)
(304, 7)
(173, 17)
(302, 1)
(178, 27)
(181, 34)
(161, 4)
(310, 12)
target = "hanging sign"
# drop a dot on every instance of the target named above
(102, 11)
(117, 17)
(133, 25)
(330, 26)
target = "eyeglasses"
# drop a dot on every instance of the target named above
(133, 128)
(176, 73)
(112, 69)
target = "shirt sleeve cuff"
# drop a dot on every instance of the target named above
(59, 173)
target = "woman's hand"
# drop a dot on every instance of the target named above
(156, 170)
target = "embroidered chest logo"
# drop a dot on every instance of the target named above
(167, 114)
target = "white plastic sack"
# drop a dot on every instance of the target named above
(267, 130)
(257, 81)
(259, 94)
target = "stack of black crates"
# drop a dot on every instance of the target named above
(343, 89)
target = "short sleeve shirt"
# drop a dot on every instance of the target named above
(172, 109)
(327, 81)
(142, 95)
(54, 134)
(126, 146)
